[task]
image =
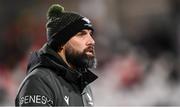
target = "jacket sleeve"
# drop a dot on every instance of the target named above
(35, 91)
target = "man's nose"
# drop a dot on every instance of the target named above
(90, 40)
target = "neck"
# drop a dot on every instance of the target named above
(62, 54)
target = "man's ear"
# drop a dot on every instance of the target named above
(60, 48)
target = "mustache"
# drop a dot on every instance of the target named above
(90, 49)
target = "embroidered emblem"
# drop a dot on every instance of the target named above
(66, 98)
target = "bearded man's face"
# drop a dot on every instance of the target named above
(79, 50)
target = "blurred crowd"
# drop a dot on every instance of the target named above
(137, 47)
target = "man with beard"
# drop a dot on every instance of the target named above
(59, 73)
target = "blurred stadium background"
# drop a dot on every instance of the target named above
(137, 47)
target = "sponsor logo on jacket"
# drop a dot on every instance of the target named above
(36, 99)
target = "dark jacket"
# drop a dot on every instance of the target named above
(50, 82)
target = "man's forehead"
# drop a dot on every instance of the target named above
(89, 30)
(86, 31)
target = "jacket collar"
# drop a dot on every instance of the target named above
(48, 58)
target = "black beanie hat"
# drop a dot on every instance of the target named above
(62, 25)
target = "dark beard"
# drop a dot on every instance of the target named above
(79, 60)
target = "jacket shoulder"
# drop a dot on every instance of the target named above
(41, 73)
(40, 83)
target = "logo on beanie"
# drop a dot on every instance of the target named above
(86, 20)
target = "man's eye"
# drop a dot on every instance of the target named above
(91, 33)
